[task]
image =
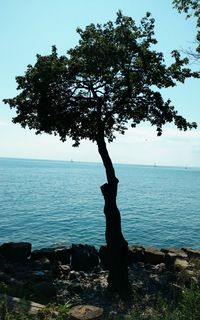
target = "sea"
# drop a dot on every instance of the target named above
(56, 203)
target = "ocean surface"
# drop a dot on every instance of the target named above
(58, 203)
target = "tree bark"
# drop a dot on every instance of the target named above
(117, 246)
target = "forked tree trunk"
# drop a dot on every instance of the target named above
(117, 246)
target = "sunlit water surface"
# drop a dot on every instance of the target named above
(56, 202)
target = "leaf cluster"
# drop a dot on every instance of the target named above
(191, 8)
(110, 80)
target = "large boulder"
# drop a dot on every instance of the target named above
(192, 253)
(83, 257)
(60, 254)
(63, 255)
(153, 256)
(43, 253)
(135, 254)
(16, 251)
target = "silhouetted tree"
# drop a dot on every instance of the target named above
(110, 81)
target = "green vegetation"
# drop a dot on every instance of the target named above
(57, 312)
(188, 308)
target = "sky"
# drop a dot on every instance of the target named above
(31, 27)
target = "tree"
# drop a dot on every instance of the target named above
(110, 81)
(191, 8)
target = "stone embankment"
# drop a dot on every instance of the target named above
(78, 274)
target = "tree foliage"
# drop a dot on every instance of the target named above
(110, 80)
(190, 8)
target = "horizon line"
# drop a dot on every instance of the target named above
(155, 164)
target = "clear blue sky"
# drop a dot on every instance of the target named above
(30, 27)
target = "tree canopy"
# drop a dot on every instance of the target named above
(190, 8)
(110, 80)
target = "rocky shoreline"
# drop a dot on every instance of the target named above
(78, 275)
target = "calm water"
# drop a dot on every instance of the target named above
(57, 202)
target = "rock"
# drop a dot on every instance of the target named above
(48, 253)
(181, 264)
(75, 288)
(12, 284)
(73, 275)
(63, 255)
(16, 303)
(86, 312)
(16, 252)
(135, 254)
(41, 264)
(192, 253)
(178, 252)
(59, 254)
(84, 257)
(65, 269)
(39, 275)
(170, 258)
(160, 268)
(44, 291)
(104, 257)
(153, 256)
(163, 280)
(82, 274)
(5, 265)
(187, 278)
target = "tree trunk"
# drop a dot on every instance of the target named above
(117, 246)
